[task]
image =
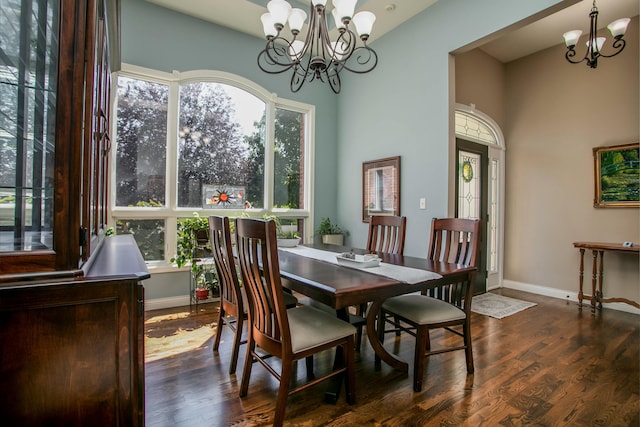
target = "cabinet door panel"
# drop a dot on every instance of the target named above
(29, 68)
(74, 357)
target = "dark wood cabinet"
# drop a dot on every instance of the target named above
(69, 354)
(71, 299)
(53, 177)
(72, 348)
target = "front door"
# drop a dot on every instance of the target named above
(471, 196)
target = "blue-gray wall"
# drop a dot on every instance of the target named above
(158, 38)
(401, 108)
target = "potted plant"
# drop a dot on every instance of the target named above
(331, 233)
(286, 238)
(193, 245)
(206, 283)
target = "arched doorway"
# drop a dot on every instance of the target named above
(480, 144)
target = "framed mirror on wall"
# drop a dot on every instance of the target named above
(617, 176)
(381, 187)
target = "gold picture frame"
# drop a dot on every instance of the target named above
(617, 176)
(381, 187)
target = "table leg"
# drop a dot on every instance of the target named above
(332, 393)
(391, 359)
(581, 278)
(600, 295)
(594, 279)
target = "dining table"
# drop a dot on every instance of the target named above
(340, 287)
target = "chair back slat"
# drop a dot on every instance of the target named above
(455, 240)
(258, 259)
(387, 234)
(230, 292)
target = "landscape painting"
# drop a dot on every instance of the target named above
(617, 176)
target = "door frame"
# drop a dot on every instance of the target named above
(481, 150)
(494, 176)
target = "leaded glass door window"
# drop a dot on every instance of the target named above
(470, 170)
(471, 191)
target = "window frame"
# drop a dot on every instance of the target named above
(170, 213)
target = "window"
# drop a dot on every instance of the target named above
(220, 146)
(141, 149)
(289, 170)
(149, 235)
(469, 127)
(206, 143)
(469, 185)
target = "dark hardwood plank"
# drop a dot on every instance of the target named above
(548, 365)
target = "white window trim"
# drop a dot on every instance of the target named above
(171, 212)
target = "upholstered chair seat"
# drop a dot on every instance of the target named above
(448, 306)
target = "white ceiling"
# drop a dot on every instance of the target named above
(548, 31)
(244, 16)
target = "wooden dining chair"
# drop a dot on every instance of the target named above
(288, 334)
(453, 240)
(233, 305)
(386, 234)
(232, 311)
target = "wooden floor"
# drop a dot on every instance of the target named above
(550, 365)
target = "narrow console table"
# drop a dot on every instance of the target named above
(598, 250)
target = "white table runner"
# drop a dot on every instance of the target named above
(398, 272)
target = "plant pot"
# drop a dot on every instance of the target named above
(333, 239)
(288, 243)
(202, 237)
(202, 293)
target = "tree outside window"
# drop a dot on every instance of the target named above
(217, 149)
(211, 147)
(141, 143)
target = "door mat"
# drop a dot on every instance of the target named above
(498, 306)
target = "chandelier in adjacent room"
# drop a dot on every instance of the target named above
(315, 56)
(594, 43)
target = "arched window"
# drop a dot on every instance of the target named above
(470, 127)
(205, 142)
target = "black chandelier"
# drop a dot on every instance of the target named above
(317, 57)
(594, 43)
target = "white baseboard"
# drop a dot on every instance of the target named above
(183, 300)
(171, 302)
(563, 295)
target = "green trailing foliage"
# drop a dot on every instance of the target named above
(193, 244)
